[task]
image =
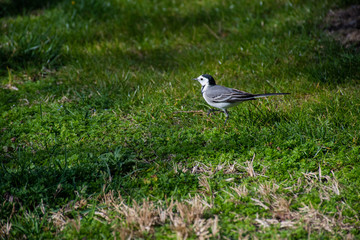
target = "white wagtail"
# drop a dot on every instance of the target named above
(223, 97)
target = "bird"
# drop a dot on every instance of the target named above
(223, 97)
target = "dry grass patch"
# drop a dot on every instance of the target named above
(312, 219)
(246, 169)
(326, 185)
(5, 230)
(278, 199)
(227, 168)
(61, 217)
(183, 218)
(306, 216)
(241, 190)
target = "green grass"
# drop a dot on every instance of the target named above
(106, 106)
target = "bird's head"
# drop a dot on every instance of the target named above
(205, 79)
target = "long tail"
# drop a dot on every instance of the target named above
(268, 94)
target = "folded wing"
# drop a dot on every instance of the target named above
(220, 94)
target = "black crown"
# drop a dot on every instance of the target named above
(211, 79)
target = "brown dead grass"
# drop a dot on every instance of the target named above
(312, 219)
(5, 230)
(241, 191)
(60, 218)
(245, 169)
(326, 185)
(185, 218)
(307, 216)
(227, 168)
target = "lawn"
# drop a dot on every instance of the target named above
(104, 134)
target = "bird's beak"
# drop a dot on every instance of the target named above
(194, 78)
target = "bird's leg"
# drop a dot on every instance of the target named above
(227, 116)
(212, 110)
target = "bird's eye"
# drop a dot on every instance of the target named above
(201, 79)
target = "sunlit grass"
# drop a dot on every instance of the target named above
(106, 107)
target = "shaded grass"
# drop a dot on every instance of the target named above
(106, 103)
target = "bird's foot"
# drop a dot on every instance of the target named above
(227, 116)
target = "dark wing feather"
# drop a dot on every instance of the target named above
(223, 94)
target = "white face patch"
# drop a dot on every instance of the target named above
(203, 80)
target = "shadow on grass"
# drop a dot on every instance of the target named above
(126, 21)
(36, 45)
(55, 184)
(31, 183)
(334, 64)
(145, 163)
(26, 48)
(19, 7)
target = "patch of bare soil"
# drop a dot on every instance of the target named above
(344, 25)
